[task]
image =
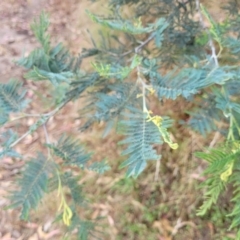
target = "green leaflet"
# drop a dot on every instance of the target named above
(125, 26)
(12, 97)
(140, 137)
(70, 151)
(141, 134)
(32, 185)
(39, 27)
(219, 172)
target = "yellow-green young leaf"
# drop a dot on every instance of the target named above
(103, 70)
(67, 215)
(67, 212)
(157, 120)
(136, 61)
(226, 174)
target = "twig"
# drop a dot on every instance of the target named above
(46, 133)
(211, 44)
(137, 49)
(21, 138)
(47, 139)
(35, 115)
(215, 139)
(46, 116)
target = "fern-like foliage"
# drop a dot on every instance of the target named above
(215, 188)
(124, 25)
(39, 27)
(224, 103)
(235, 214)
(70, 151)
(56, 78)
(185, 82)
(7, 138)
(76, 190)
(204, 121)
(112, 100)
(12, 97)
(222, 162)
(82, 83)
(85, 229)
(4, 117)
(99, 167)
(50, 63)
(141, 135)
(32, 185)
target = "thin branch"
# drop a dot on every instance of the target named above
(47, 140)
(45, 118)
(26, 115)
(115, 54)
(46, 133)
(215, 139)
(211, 44)
(20, 139)
(137, 49)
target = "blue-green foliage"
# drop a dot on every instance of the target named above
(109, 102)
(73, 154)
(216, 105)
(233, 44)
(161, 26)
(70, 151)
(85, 229)
(3, 117)
(49, 63)
(7, 139)
(32, 185)
(113, 99)
(141, 135)
(130, 26)
(99, 167)
(40, 31)
(75, 188)
(83, 83)
(206, 116)
(184, 82)
(204, 120)
(223, 102)
(12, 98)
(55, 78)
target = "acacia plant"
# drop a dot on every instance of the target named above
(164, 50)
